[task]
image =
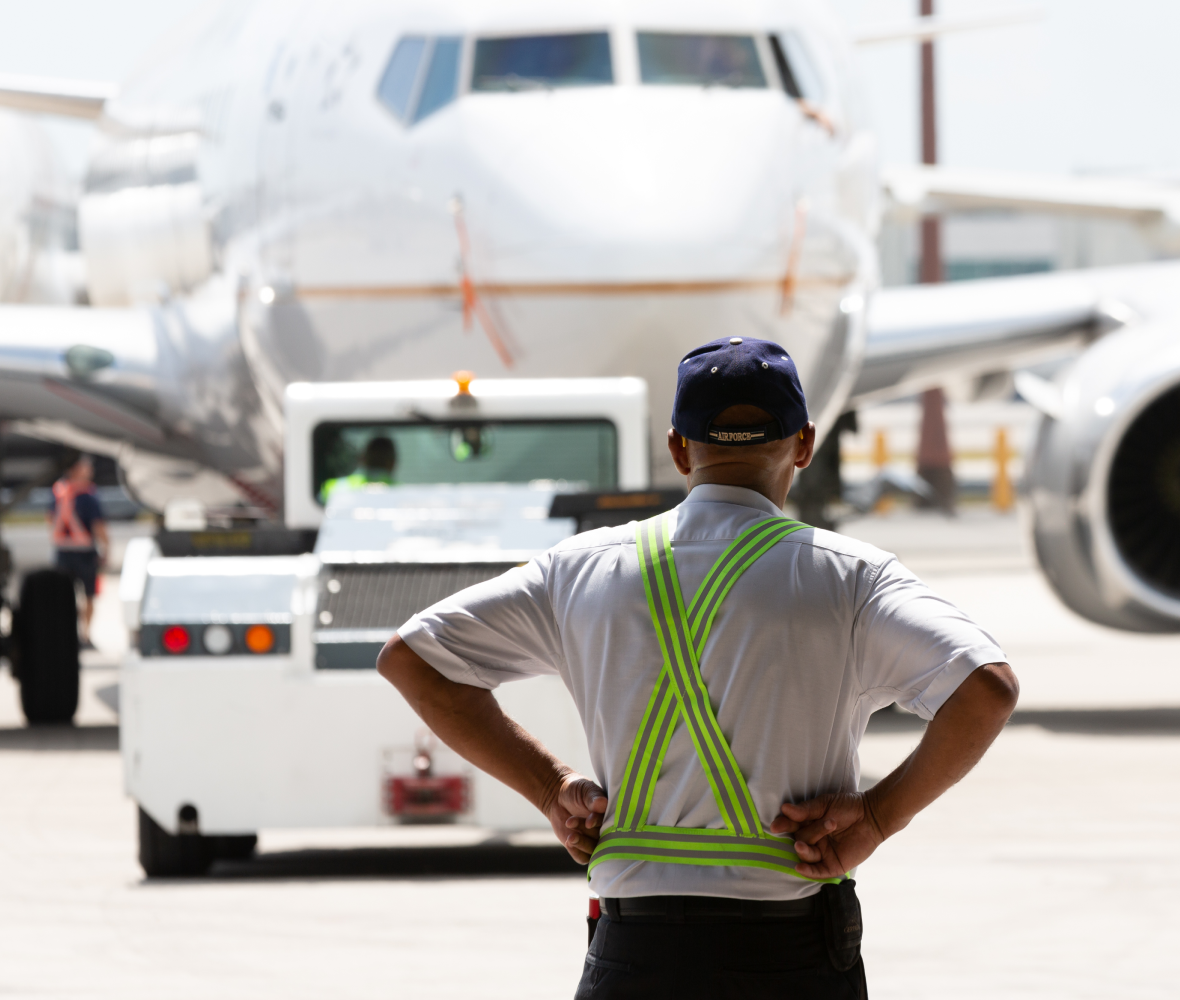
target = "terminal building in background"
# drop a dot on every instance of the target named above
(996, 244)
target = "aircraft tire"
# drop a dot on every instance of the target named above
(45, 634)
(167, 855)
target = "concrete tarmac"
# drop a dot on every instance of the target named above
(1049, 872)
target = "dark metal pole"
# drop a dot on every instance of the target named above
(5, 553)
(934, 449)
(930, 267)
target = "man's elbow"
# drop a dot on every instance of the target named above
(391, 659)
(416, 679)
(999, 688)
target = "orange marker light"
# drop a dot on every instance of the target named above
(260, 639)
(463, 380)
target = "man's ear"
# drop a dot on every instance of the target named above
(679, 451)
(806, 449)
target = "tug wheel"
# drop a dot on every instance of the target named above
(168, 855)
(45, 647)
(235, 848)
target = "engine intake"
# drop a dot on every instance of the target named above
(1104, 480)
(1143, 494)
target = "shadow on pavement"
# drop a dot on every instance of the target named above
(60, 738)
(396, 862)
(1103, 722)
(1083, 721)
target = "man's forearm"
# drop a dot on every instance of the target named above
(954, 741)
(470, 721)
(837, 831)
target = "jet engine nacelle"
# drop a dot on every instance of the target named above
(1104, 479)
(144, 243)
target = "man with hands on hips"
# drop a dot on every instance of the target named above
(725, 660)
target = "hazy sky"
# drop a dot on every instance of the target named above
(1090, 86)
(82, 40)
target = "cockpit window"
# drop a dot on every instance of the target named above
(401, 75)
(422, 77)
(800, 78)
(699, 60)
(442, 78)
(532, 62)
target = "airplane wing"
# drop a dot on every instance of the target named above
(65, 98)
(925, 190)
(920, 335)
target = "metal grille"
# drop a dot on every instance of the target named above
(385, 596)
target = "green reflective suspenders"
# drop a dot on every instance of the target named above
(680, 696)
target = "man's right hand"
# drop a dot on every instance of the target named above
(836, 832)
(833, 833)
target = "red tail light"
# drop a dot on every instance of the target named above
(176, 639)
(440, 797)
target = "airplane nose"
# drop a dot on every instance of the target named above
(618, 182)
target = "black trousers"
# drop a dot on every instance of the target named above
(718, 960)
(81, 564)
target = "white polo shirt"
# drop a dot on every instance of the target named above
(818, 634)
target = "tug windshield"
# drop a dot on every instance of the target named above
(581, 453)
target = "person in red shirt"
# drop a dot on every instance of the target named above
(76, 521)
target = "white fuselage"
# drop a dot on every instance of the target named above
(608, 228)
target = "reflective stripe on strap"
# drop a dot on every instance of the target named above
(647, 754)
(675, 845)
(740, 555)
(680, 692)
(68, 530)
(662, 712)
(680, 659)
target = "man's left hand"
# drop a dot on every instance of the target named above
(576, 814)
(833, 833)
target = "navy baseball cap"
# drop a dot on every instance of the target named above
(730, 372)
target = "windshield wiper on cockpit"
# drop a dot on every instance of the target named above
(513, 81)
(738, 78)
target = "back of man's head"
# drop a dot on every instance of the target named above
(82, 471)
(738, 372)
(740, 417)
(380, 454)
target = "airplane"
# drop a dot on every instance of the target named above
(375, 189)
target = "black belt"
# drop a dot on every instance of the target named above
(693, 909)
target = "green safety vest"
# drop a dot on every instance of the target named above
(355, 482)
(680, 695)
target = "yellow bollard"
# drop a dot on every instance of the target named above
(880, 450)
(880, 460)
(1002, 492)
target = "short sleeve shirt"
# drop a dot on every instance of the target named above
(818, 634)
(86, 507)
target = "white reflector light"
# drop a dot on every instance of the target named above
(217, 639)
